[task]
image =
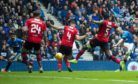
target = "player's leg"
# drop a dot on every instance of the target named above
(39, 57)
(10, 58)
(26, 50)
(90, 44)
(8, 65)
(24, 56)
(81, 52)
(128, 48)
(110, 56)
(62, 51)
(68, 55)
(39, 60)
(108, 53)
(27, 61)
(59, 65)
(67, 63)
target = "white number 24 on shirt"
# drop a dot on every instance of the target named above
(35, 29)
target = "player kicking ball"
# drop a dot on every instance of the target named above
(68, 38)
(101, 39)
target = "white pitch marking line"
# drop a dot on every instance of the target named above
(65, 77)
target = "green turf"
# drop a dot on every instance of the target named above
(78, 77)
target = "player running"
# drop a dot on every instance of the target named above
(35, 29)
(101, 39)
(14, 49)
(68, 38)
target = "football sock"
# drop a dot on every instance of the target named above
(39, 60)
(59, 64)
(66, 61)
(115, 59)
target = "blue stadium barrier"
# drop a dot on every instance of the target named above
(52, 66)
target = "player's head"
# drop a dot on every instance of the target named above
(72, 23)
(37, 13)
(119, 30)
(13, 36)
(108, 17)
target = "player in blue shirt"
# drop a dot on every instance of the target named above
(127, 38)
(128, 42)
(15, 45)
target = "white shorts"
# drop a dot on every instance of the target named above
(130, 46)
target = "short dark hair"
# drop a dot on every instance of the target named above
(106, 17)
(72, 22)
(36, 13)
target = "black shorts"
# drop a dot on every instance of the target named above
(65, 50)
(31, 45)
(94, 42)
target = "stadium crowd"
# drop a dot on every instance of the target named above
(13, 14)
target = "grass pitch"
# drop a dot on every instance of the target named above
(76, 77)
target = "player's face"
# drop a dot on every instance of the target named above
(119, 31)
(13, 37)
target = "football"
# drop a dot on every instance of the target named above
(59, 56)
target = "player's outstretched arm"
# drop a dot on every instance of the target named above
(81, 37)
(119, 29)
(55, 27)
(119, 42)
